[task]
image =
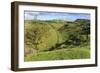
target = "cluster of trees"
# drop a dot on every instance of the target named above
(76, 32)
(55, 34)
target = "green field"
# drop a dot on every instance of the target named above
(62, 54)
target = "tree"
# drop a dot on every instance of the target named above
(72, 32)
(84, 24)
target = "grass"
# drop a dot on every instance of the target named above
(61, 54)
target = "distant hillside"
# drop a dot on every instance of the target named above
(82, 20)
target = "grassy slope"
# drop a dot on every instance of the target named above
(62, 54)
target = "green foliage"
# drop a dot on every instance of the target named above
(40, 36)
(85, 27)
(76, 32)
(56, 39)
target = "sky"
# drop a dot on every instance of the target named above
(30, 15)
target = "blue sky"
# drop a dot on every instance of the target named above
(30, 15)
